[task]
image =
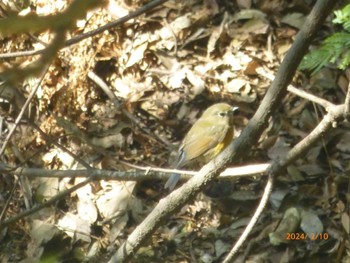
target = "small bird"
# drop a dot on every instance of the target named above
(209, 136)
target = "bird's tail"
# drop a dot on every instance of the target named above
(172, 181)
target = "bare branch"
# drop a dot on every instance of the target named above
(51, 201)
(131, 175)
(106, 89)
(144, 9)
(289, 65)
(298, 150)
(24, 108)
(301, 93)
(308, 96)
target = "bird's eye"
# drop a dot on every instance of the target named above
(222, 114)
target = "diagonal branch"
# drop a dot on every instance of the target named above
(49, 202)
(24, 108)
(335, 113)
(144, 9)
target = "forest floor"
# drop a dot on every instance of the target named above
(163, 69)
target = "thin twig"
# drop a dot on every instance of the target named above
(103, 85)
(24, 108)
(253, 220)
(301, 93)
(51, 201)
(8, 201)
(50, 140)
(148, 172)
(144, 9)
(308, 96)
(297, 151)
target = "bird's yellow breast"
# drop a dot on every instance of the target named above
(212, 153)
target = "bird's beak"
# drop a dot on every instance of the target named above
(234, 109)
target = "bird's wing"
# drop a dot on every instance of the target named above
(203, 136)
